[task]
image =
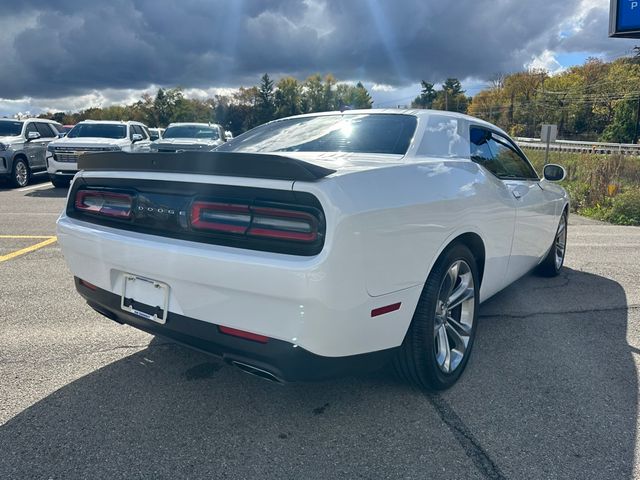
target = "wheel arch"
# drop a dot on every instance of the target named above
(20, 156)
(474, 242)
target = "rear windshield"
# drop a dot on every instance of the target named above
(100, 130)
(10, 129)
(191, 131)
(353, 133)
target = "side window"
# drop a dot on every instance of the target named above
(146, 132)
(480, 152)
(45, 130)
(496, 153)
(138, 129)
(511, 162)
(31, 127)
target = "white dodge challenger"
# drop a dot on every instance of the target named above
(320, 244)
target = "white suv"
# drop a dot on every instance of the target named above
(93, 136)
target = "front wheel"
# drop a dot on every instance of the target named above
(20, 174)
(552, 263)
(437, 346)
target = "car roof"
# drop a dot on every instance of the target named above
(117, 122)
(192, 124)
(33, 119)
(416, 112)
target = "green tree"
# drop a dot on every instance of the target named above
(427, 96)
(288, 97)
(265, 105)
(360, 97)
(313, 91)
(451, 97)
(622, 128)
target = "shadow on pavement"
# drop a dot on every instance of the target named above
(52, 192)
(552, 389)
(550, 393)
(36, 179)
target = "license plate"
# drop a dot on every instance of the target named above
(145, 298)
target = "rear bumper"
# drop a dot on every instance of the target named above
(284, 361)
(319, 303)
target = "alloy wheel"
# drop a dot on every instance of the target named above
(454, 316)
(560, 242)
(21, 174)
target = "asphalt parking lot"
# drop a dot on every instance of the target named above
(550, 392)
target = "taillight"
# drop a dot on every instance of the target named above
(255, 221)
(221, 217)
(283, 224)
(109, 204)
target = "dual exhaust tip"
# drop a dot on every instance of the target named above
(256, 372)
(245, 367)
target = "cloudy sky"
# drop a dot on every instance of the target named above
(72, 54)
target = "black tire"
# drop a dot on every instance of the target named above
(551, 265)
(416, 360)
(20, 173)
(59, 182)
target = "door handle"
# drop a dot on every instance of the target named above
(516, 194)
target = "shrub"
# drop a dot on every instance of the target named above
(594, 182)
(625, 208)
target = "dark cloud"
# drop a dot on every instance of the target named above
(68, 47)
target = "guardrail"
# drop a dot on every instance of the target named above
(580, 147)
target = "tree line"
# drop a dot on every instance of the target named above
(243, 110)
(595, 101)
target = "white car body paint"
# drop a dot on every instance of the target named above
(388, 218)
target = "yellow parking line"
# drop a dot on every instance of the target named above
(32, 248)
(27, 236)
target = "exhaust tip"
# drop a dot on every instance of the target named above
(257, 372)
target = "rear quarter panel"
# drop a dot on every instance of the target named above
(389, 225)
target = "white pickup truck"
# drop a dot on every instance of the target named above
(93, 136)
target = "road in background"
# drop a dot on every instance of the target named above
(551, 390)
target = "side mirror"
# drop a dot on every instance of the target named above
(554, 173)
(33, 136)
(136, 137)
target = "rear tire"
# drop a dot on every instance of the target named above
(553, 262)
(20, 174)
(438, 344)
(60, 182)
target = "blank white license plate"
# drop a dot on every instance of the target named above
(145, 298)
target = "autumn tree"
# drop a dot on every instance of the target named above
(288, 97)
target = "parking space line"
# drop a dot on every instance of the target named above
(32, 248)
(26, 236)
(35, 187)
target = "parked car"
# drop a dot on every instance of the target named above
(189, 136)
(93, 136)
(319, 244)
(23, 147)
(64, 129)
(156, 133)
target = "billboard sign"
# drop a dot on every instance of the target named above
(624, 19)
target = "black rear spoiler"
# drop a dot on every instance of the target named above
(232, 164)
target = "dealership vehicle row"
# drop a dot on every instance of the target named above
(35, 145)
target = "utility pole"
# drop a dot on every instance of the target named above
(635, 130)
